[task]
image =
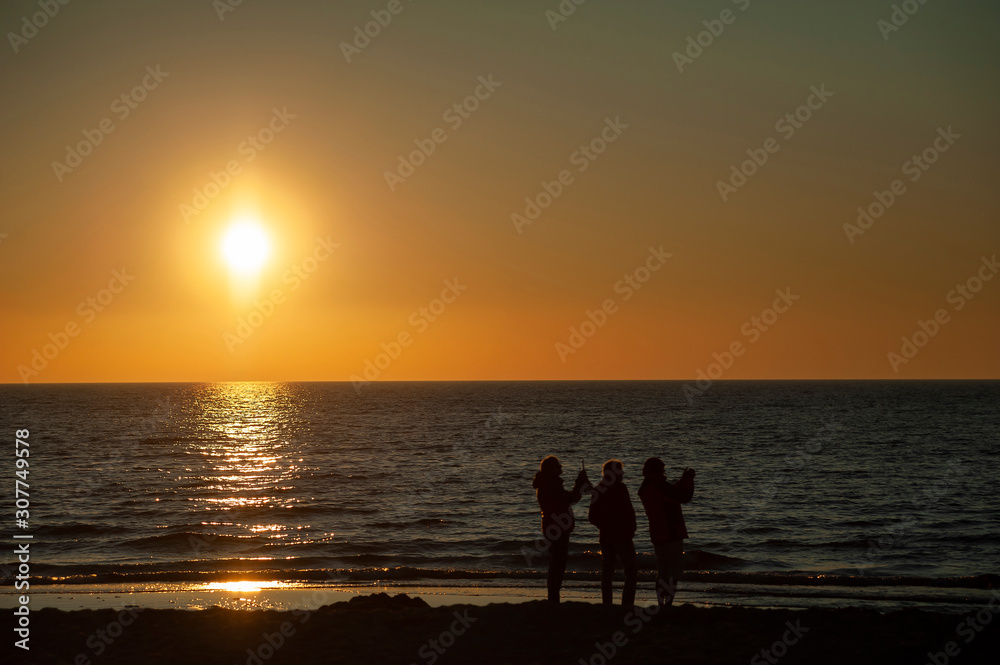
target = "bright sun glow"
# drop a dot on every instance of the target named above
(242, 587)
(245, 247)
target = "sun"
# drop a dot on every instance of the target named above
(246, 247)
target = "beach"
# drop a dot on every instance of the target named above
(380, 628)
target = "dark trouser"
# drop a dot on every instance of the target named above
(625, 551)
(558, 555)
(669, 565)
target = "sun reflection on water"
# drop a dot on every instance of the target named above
(248, 458)
(246, 586)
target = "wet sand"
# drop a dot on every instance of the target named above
(384, 629)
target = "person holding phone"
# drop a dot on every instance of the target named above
(556, 504)
(662, 501)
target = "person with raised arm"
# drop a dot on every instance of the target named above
(662, 501)
(558, 522)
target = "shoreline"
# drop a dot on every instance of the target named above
(380, 628)
(244, 594)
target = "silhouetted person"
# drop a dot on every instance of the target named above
(557, 516)
(612, 513)
(662, 501)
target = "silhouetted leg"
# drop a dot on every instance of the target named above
(626, 551)
(669, 564)
(558, 556)
(662, 585)
(607, 573)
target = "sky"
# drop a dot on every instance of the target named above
(506, 190)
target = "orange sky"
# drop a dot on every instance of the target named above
(357, 254)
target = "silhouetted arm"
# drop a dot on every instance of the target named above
(577, 491)
(681, 491)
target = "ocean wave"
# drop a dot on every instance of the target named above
(414, 574)
(80, 529)
(701, 560)
(759, 530)
(427, 521)
(190, 539)
(799, 544)
(693, 560)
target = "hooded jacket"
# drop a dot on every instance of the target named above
(662, 502)
(556, 503)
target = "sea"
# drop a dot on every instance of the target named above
(876, 494)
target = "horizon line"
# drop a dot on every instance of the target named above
(347, 381)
